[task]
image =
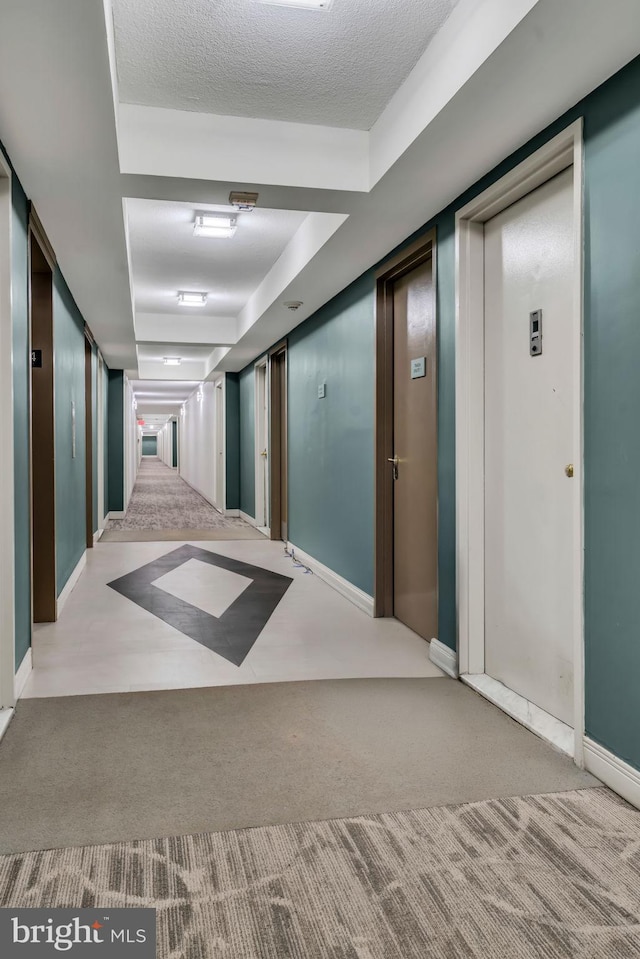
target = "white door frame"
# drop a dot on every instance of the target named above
(7, 505)
(261, 440)
(563, 151)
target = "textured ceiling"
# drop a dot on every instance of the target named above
(246, 58)
(167, 257)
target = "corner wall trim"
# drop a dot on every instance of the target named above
(248, 519)
(540, 722)
(356, 596)
(613, 771)
(71, 582)
(22, 674)
(6, 715)
(97, 536)
(444, 658)
(116, 514)
(231, 512)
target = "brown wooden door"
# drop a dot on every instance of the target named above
(278, 445)
(415, 566)
(43, 535)
(88, 436)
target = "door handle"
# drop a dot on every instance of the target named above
(263, 453)
(394, 461)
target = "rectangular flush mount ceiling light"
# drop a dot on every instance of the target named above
(172, 360)
(185, 298)
(303, 4)
(222, 225)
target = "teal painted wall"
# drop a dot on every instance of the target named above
(115, 436)
(69, 387)
(149, 445)
(612, 409)
(247, 442)
(331, 440)
(105, 428)
(612, 405)
(232, 438)
(21, 380)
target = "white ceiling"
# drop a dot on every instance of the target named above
(167, 257)
(159, 398)
(473, 86)
(245, 58)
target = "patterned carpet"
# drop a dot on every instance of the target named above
(162, 500)
(552, 876)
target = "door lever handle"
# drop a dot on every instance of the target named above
(394, 461)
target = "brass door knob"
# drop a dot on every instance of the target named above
(569, 470)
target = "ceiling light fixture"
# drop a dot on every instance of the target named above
(221, 225)
(302, 4)
(243, 201)
(293, 304)
(172, 360)
(186, 298)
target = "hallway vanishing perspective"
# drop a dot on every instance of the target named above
(318, 413)
(161, 500)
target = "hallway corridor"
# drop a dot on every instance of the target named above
(319, 394)
(161, 500)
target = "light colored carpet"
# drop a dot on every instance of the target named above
(542, 877)
(92, 769)
(162, 500)
(180, 535)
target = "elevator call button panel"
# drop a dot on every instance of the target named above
(535, 333)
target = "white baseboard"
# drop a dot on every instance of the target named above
(231, 512)
(97, 536)
(444, 658)
(526, 713)
(613, 771)
(71, 582)
(248, 519)
(356, 596)
(6, 715)
(22, 674)
(116, 514)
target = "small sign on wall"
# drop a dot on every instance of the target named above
(418, 367)
(36, 359)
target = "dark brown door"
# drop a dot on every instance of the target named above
(279, 449)
(88, 437)
(43, 541)
(415, 538)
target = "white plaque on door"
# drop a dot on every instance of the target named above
(418, 367)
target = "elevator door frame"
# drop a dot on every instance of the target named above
(392, 270)
(562, 152)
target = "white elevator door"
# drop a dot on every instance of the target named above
(529, 535)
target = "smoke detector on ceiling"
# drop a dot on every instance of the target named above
(293, 304)
(243, 201)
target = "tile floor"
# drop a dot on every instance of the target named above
(104, 642)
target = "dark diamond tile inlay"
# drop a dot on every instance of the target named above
(231, 635)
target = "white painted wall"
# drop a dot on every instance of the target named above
(197, 439)
(165, 444)
(7, 537)
(132, 442)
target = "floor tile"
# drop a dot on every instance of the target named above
(106, 642)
